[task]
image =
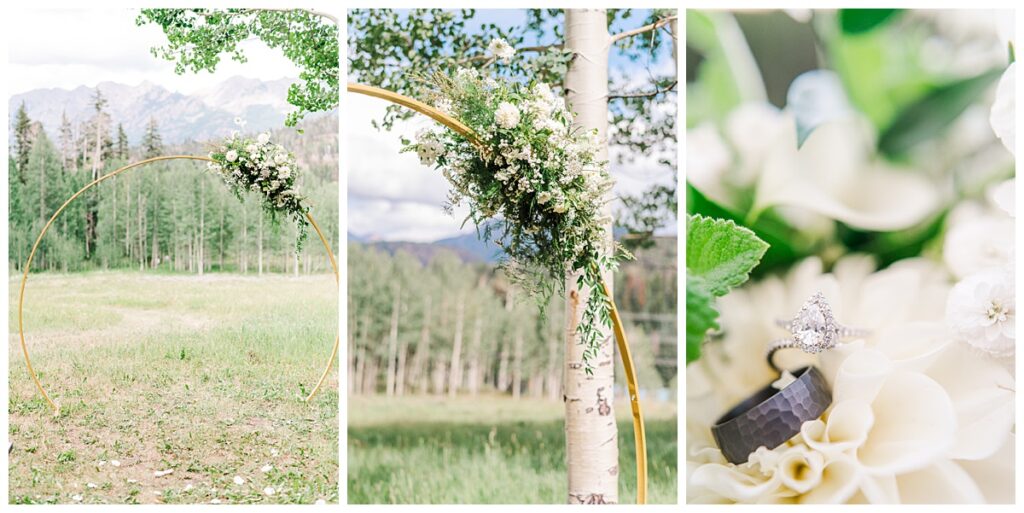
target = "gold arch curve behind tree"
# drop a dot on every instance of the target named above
(39, 239)
(620, 332)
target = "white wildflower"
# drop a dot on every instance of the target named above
(560, 207)
(239, 480)
(90, 485)
(269, 490)
(263, 138)
(115, 463)
(543, 197)
(500, 49)
(76, 498)
(240, 121)
(266, 468)
(231, 156)
(507, 115)
(162, 473)
(284, 172)
(188, 487)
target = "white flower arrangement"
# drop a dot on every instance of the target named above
(537, 188)
(501, 50)
(267, 169)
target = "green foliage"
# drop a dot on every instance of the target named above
(719, 257)
(933, 114)
(858, 21)
(198, 38)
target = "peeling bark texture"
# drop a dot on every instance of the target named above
(591, 436)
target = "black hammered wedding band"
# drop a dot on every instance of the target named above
(771, 417)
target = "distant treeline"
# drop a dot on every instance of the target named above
(450, 327)
(169, 216)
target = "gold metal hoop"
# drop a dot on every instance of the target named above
(620, 332)
(39, 239)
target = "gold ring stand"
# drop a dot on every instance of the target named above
(620, 332)
(28, 267)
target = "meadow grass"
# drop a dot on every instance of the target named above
(204, 376)
(490, 449)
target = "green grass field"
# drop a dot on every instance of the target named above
(417, 450)
(200, 375)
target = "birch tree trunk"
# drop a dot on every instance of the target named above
(592, 449)
(455, 373)
(393, 342)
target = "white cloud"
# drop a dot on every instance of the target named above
(67, 48)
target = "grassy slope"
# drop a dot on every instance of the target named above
(199, 375)
(486, 450)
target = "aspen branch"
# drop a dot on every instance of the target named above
(646, 28)
(645, 94)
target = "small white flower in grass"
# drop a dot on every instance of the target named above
(115, 463)
(273, 452)
(266, 468)
(263, 138)
(269, 490)
(544, 197)
(132, 481)
(101, 463)
(188, 487)
(76, 498)
(90, 485)
(239, 480)
(215, 501)
(162, 473)
(231, 156)
(500, 49)
(981, 310)
(507, 115)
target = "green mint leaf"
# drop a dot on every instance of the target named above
(720, 253)
(701, 316)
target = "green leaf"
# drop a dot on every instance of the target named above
(721, 253)
(701, 316)
(858, 21)
(934, 113)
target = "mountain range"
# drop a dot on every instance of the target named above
(203, 115)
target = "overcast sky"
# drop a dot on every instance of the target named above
(393, 197)
(88, 46)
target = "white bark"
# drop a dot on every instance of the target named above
(591, 437)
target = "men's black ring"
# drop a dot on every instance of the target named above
(771, 417)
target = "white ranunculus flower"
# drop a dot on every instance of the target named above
(263, 138)
(833, 174)
(231, 156)
(501, 50)
(982, 312)
(507, 115)
(977, 244)
(1003, 116)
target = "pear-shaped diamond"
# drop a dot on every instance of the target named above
(813, 327)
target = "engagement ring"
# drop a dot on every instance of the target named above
(813, 330)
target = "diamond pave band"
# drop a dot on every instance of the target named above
(813, 330)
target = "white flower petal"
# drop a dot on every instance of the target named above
(1003, 116)
(914, 424)
(840, 480)
(943, 482)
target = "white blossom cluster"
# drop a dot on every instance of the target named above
(542, 180)
(264, 168)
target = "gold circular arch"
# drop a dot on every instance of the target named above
(620, 331)
(39, 239)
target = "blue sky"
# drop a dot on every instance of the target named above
(392, 197)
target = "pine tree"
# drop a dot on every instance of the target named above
(122, 143)
(22, 140)
(152, 144)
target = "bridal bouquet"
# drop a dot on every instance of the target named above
(886, 185)
(535, 185)
(259, 166)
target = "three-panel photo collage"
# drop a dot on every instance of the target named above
(413, 256)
